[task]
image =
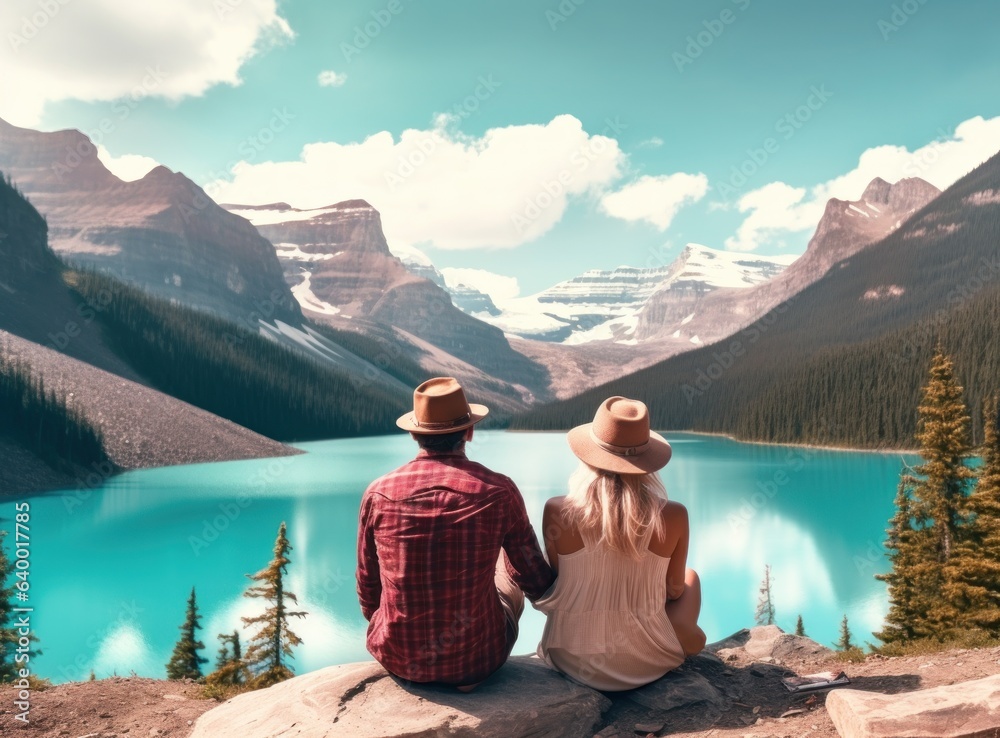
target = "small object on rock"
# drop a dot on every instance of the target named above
(648, 727)
(756, 709)
(793, 711)
(757, 672)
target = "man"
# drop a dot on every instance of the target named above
(445, 552)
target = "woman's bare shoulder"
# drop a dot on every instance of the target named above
(674, 514)
(554, 505)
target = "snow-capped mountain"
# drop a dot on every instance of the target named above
(604, 305)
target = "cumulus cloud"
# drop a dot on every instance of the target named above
(655, 200)
(331, 78)
(778, 208)
(497, 286)
(107, 49)
(127, 167)
(440, 186)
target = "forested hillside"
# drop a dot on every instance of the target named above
(231, 372)
(843, 361)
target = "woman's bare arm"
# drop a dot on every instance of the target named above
(552, 526)
(676, 519)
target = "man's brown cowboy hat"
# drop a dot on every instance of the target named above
(439, 406)
(619, 439)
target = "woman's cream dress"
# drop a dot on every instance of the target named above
(606, 626)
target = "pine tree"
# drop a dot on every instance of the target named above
(910, 556)
(943, 433)
(844, 642)
(973, 573)
(800, 629)
(9, 636)
(272, 644)
(765, 604)
(931, 522)
(230, 669)
(185, 662)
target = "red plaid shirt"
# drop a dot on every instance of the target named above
(429, 536)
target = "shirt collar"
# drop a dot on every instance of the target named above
(427, 454)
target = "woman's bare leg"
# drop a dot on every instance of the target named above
(683, 613)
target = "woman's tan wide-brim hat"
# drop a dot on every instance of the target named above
(619, 439)
(439, 406)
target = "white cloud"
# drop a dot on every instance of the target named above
(330, 78)
(655, 199)
(497, 286)
(127, 167)
(774, 208)
(439, 186)
(778, 208)
(107, 49)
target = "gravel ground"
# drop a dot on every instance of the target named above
(128, 707)
(142, 427)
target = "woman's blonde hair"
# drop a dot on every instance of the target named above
(620, 506)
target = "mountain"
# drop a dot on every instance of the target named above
(604, 304)
(843, 363)
(342, 272)
(162, 232)
(845, 228)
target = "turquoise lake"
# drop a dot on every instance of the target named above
(111, 567)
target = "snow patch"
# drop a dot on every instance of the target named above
(884, 292)
(695, 340)
(856, 209)
(688, 319)
(304, 294)
(292, 251)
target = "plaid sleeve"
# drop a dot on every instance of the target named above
(525, 563)
(369, 578)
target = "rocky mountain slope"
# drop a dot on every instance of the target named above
(845, 228)
(343, 274)
(162, 232)
(844, 361)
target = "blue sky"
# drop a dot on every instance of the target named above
(662, 100)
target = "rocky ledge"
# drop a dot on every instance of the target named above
(734, 688)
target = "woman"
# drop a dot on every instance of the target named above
(624, 608)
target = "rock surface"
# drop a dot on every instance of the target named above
(525, 698)
(964, 710)
(769, 642)
(677, 689)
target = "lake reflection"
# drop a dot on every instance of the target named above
(111, 569)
